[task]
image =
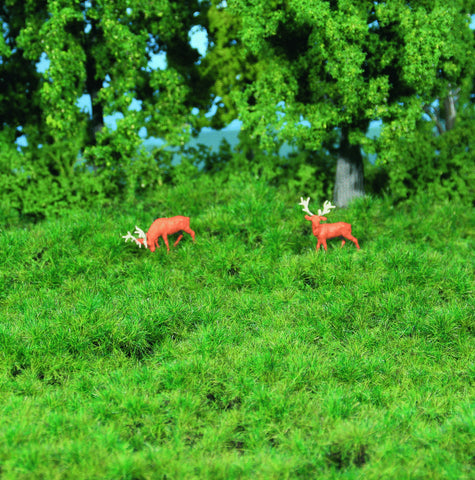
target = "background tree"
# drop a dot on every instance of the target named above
(103, 49)
(232, 68)
(329, 68)
(433, 151)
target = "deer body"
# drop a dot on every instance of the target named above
(327, 230)
(330, 230)
(162, 227)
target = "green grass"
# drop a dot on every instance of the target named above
(245, 355)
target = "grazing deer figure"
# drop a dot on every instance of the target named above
(327, 230)
(161, 227)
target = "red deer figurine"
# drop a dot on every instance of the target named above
(327, 230)
(161, 227)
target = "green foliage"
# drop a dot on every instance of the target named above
(441, 166)
(42, 186)
(313, 67)
(301, 171)
(341, 65)
(102, 49)
(227, 65)
(244, 355)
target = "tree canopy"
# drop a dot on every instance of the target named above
(314, 73)
(329, 68)
(103, 49)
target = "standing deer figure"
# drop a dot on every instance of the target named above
(161, 227)
(327, 230)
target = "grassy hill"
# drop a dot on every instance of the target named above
(244, 355)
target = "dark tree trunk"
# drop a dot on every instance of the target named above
(97, 118)
(349, 179)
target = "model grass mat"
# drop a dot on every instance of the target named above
(245, 355)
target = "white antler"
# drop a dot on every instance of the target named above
(129, 236)
(304, 203)
(140, 233)
(327, 206)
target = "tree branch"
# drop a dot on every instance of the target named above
(435, 119)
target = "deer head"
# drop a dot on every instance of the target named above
(141, 240)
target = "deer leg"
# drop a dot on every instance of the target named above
(342, 243)
(153, 244)
(178, 239)
(353, 239)
(324, 242)
(191, 232)
(318, 245)
(165, 239)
